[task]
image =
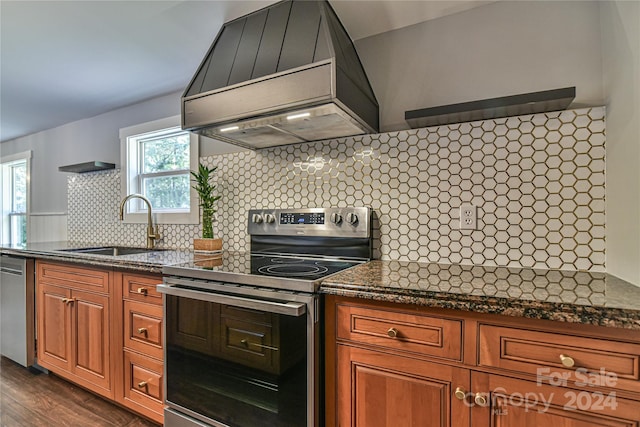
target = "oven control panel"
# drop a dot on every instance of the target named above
(326, 222)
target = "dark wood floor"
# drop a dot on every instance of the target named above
(27, 399)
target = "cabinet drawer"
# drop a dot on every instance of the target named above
(143, 381)
(527, 351)
(427, 335)
(143, 328)
(141, 288)
(249, 343)
(86, 279)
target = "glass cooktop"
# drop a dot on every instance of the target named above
(258, 269)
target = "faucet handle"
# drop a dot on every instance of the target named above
(156, 233)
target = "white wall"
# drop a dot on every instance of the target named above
(96, 138)
(621, 66)
(500, 49)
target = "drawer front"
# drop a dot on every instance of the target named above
(86, 279)
(427, 335)
(251, 343)
(143, 381)
(526, 351)
(143, 328)
(246, 314)
(141, 288)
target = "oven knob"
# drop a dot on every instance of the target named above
(269, 219)
(256, 218)
(352, 218)
(336, 218)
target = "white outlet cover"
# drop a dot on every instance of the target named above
(468, 217)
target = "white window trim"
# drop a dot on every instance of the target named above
(25, 155)
(128, 174)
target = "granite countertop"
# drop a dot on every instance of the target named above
(150, 262)
(569, 296)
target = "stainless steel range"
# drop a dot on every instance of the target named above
(243, 330)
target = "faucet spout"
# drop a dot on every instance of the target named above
(152, 235)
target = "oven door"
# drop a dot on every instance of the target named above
(247, 358)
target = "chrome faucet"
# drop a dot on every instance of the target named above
(152, 235)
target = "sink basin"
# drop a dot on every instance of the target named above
(112, 250)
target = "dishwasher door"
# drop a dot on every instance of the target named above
(17, 319)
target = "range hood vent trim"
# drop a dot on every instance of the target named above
(311, 62)
(492, 108)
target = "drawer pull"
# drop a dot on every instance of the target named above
(567, 361)
(142, 384)
(142, 291)
(247, 344)
(392, 333)
(460, 394)
(142, 331)
(480, 399)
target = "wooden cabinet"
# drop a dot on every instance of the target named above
(74, 324)
(513, 402)
(379, 389)
(139, 380)
(103, 330)
(402, 365)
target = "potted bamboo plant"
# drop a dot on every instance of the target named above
(204, 187)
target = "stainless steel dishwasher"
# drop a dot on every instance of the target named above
(17, 304)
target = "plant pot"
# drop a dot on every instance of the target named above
(207, 245)
(207, 261)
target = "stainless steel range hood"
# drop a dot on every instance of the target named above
(285, 74)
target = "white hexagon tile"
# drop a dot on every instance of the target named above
(538, 182)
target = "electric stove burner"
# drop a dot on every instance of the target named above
(336, 264)
(286, 260)
(293, 270)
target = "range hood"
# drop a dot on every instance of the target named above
(492, 108)
(286, 74)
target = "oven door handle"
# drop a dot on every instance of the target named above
(295, 309)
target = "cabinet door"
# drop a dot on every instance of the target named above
(91, 337)
(194, 324)
(54, 327)
(376, 389)
(512, 402)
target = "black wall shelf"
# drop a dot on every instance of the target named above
(87, 167)
(492, 108)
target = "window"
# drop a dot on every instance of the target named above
(158, 157)
(15, 198)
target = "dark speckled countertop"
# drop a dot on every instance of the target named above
(569, 296)
(150, 262)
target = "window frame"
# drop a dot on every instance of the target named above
(131, 180)
(6, 181)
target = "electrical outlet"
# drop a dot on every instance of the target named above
(468, 217)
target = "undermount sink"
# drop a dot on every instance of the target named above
(113, 250)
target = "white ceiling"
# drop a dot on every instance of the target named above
(62, 61)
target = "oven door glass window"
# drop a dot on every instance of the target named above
(237, 366)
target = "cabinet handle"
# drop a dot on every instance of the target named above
(68, 300)
(567, 361)
(392, 333)
(460, 393)
(480, 399)
(142, 331)
(142, 291)
(142, 384)
(248, 343)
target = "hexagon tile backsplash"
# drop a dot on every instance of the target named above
(538, 182)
